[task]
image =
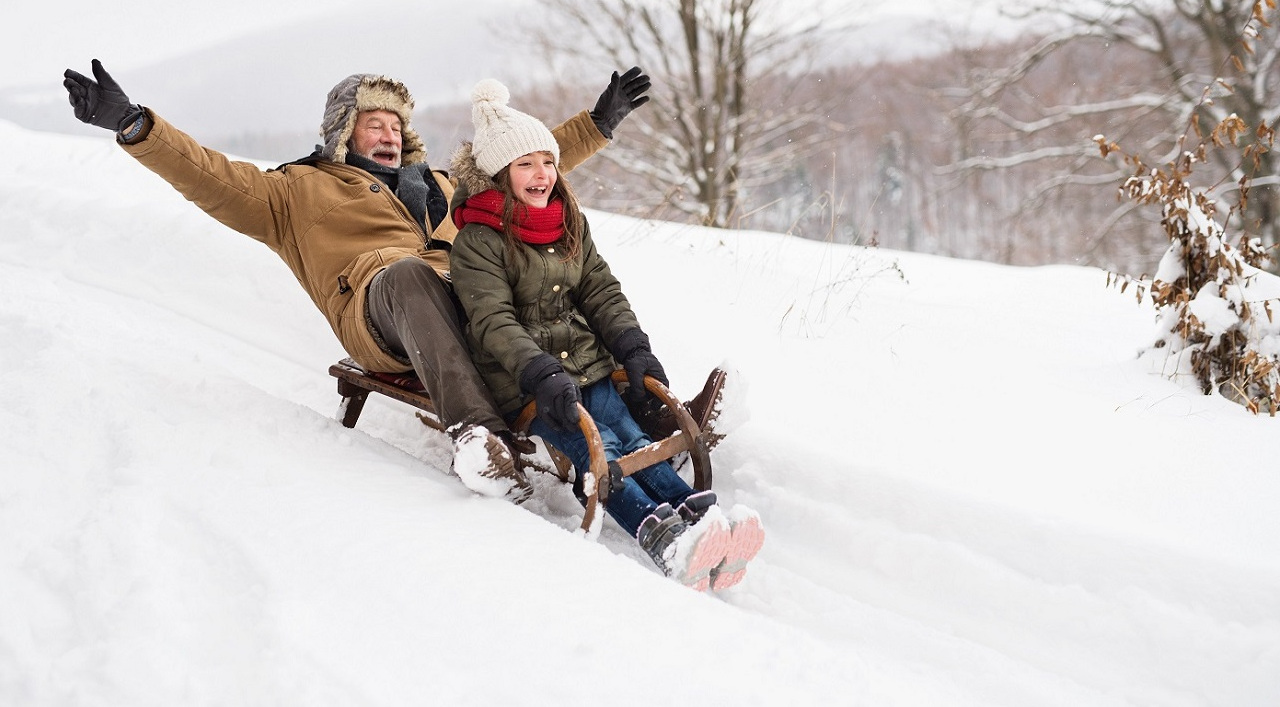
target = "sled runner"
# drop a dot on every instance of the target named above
(674, 428)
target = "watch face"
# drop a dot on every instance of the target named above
(135, 128)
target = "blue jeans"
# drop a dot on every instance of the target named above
(642, 491)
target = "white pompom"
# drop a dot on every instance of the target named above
(490, 91)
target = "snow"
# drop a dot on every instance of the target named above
(976, 493)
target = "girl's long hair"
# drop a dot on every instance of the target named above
(513, 209)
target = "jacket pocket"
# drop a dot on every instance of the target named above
(339, 293)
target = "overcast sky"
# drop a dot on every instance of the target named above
(41, 38)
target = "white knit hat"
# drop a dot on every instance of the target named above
(504, 133)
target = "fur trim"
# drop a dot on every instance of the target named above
(463, 167)
(364, 92)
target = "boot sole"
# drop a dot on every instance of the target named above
(708, 552)
(705, 407)
(746, 539)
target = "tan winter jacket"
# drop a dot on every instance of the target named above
(335, 225)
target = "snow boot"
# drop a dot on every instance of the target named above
(656, 534)
(746, 538)
(485, 464)
(686, 553)
(706, 406)
(695, 506)
(659, 422)
(745, 531)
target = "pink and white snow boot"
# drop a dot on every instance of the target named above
(686, 553)
(746, 539)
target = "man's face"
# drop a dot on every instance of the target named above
(377, 137)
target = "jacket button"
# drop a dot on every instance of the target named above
(564, 354)
(555, 288)
(551, 250)
(375, 188)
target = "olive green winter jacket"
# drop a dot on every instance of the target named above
(520, 307)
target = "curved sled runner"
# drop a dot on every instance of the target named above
(674, 428)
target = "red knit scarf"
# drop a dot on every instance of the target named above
(536, 226)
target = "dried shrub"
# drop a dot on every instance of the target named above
(1214, 301)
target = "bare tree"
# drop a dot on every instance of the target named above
(1151, 63)
(728, 118)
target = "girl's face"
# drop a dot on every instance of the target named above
(532, 177)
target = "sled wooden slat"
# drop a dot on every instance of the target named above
(355, 384)
(659, 451)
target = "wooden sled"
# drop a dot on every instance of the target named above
(677, 431)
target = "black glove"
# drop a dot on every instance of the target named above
(555, 392)
(100, 102)
(631, 348)
(624, 94)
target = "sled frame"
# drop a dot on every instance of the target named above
(356, 384)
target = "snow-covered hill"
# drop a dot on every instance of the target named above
(976, 495)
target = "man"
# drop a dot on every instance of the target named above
(362, 223)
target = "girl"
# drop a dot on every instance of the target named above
(548, 321)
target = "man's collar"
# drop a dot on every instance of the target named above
(371, 166)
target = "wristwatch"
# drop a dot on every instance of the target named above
(134, 129)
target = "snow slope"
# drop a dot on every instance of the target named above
(976, 494)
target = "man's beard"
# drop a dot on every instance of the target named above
(385, 150)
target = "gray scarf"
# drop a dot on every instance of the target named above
(412, 185)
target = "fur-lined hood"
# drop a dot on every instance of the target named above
(363, 92)
(471, 179)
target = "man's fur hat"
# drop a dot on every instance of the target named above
(362, 92)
